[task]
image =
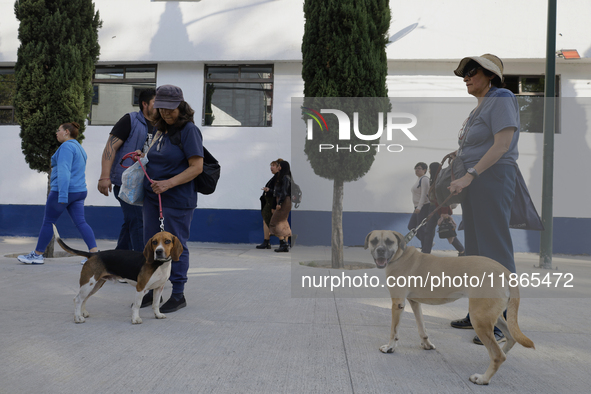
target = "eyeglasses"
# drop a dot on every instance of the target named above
(472, 72)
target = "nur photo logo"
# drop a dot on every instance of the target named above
(395, 121)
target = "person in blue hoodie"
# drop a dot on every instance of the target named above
(68, 192)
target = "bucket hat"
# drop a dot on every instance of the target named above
(168, 97)
(490, 62)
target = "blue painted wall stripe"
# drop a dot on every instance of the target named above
(571, 235)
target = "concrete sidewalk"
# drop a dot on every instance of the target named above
(243, 332)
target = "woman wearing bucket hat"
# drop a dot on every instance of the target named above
(172, 166)
(489, 152)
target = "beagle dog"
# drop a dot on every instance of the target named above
(146, 271)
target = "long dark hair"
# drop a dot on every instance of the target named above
(185, 116)
(285, 170)
(433, 168)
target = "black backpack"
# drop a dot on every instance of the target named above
(206, 182)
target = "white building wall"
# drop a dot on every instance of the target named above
(428, 39)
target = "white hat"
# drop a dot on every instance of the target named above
(490, 62)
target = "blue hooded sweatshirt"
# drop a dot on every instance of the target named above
(68, 167)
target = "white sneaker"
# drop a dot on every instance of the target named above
(31, 258)
(85, 260)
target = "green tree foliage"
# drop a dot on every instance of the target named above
(344, 55)
(55, 62)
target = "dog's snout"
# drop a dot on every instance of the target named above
(159, 252)
(381, 251)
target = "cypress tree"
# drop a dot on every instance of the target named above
(53, 72)
(55, 63)
(344, 55)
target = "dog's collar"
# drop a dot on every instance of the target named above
(403, 247)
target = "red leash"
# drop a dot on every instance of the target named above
(136, 157)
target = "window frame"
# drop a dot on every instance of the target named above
(557, 129)
(122, 81)
(239, 79)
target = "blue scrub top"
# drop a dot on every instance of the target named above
(498, 111)
(165, 160)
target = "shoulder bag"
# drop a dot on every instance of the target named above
(132, 183)
(444, 177)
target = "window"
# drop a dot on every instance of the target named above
(7, 93)
(116, 91)
(238, 96)
(530, 96)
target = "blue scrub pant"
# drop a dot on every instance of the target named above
(178, 223)
(53, 210)
(131, 236)
(486, 212)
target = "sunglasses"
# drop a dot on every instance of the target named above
(472, 72)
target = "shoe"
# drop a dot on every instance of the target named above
(461, 323)
(292, 240)
(283, 247)
(173, 304)
(498, 336)
(461, 254)
(265, 245)
(31, 258)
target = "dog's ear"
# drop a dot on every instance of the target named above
(149, 252)
(400, 238)
(177, 249)
(367, 240)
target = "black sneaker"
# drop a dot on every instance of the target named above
(283, 247)
(265, 245)
(173, 304)
(498, 336)
(462, 323)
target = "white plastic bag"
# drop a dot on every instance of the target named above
(132, 183)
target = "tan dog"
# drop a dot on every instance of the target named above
(419, 270)
(146, 271)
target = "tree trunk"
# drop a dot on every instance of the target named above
(49, 250)
(337, 225)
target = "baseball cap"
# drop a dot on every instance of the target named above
(168, 97)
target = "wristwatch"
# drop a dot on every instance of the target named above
(472, 172)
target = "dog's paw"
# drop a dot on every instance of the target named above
(386, 349)
(160, 315)
(427, 345)
(79, 319)
(478, 379)
(136, 320)
(85, 314)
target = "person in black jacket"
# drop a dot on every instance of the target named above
(268, 204)
(279, 226)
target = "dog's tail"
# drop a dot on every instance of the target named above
(66, 247)
(512, 310)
